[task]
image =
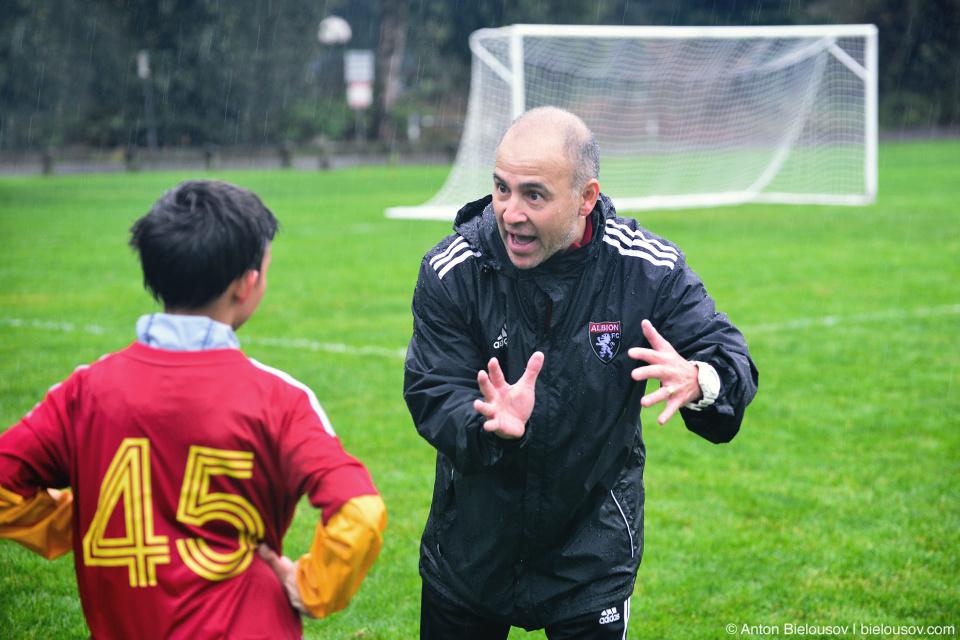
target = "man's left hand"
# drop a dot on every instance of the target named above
(677, 376)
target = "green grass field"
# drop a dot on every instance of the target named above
(838, 504)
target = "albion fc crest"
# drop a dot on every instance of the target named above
(605, 339)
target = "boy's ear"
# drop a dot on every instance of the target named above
(243, 285)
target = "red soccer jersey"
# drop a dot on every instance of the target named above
(180, 463)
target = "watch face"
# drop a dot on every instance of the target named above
(709, 381)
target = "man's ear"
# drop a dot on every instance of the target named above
(243, 286)
(590, 192)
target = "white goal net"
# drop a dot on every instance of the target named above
(685, 116)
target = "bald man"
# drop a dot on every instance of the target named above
(536, 326)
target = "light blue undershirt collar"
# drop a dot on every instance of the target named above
(185, 333)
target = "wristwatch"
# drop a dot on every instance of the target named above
(709, 381)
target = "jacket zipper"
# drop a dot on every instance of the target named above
(548, 315)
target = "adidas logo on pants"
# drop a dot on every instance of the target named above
(609, 615)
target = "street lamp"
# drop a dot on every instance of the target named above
(334, 30)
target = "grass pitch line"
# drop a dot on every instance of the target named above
(293, 343)
(385, 352)
(328, 347)
(52, 325)
(858, 318)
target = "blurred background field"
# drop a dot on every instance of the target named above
(837, 504)
(143, 84)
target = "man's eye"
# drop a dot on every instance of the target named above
(534, 196)
(501, 188)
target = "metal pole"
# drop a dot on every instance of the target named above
(143, 70)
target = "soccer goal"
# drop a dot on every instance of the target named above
(685, 116)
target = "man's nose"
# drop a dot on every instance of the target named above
(515, 212)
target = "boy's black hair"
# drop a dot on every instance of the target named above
(198, 238)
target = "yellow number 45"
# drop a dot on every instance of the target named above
(127, 486)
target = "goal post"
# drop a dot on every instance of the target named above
(684, 116)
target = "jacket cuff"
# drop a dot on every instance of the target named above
(508, 444)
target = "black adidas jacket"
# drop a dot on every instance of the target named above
(550, 526)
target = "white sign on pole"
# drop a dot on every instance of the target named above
(358, 65)
(359, 95)
(358, 72)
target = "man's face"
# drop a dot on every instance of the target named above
(537, 213)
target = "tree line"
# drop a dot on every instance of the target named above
(136, 73)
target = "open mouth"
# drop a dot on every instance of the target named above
(520, 241)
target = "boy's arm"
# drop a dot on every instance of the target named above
(348, 537)
(32, 511)
(41, 523)
(324, 580)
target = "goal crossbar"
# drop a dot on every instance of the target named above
(685, 116)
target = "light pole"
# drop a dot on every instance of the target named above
(143, 70)
(357, 67)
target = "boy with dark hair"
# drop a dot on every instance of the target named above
(186, 458)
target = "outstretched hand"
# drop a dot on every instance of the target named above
(678, 377)
(286, 570)
(507, 407)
